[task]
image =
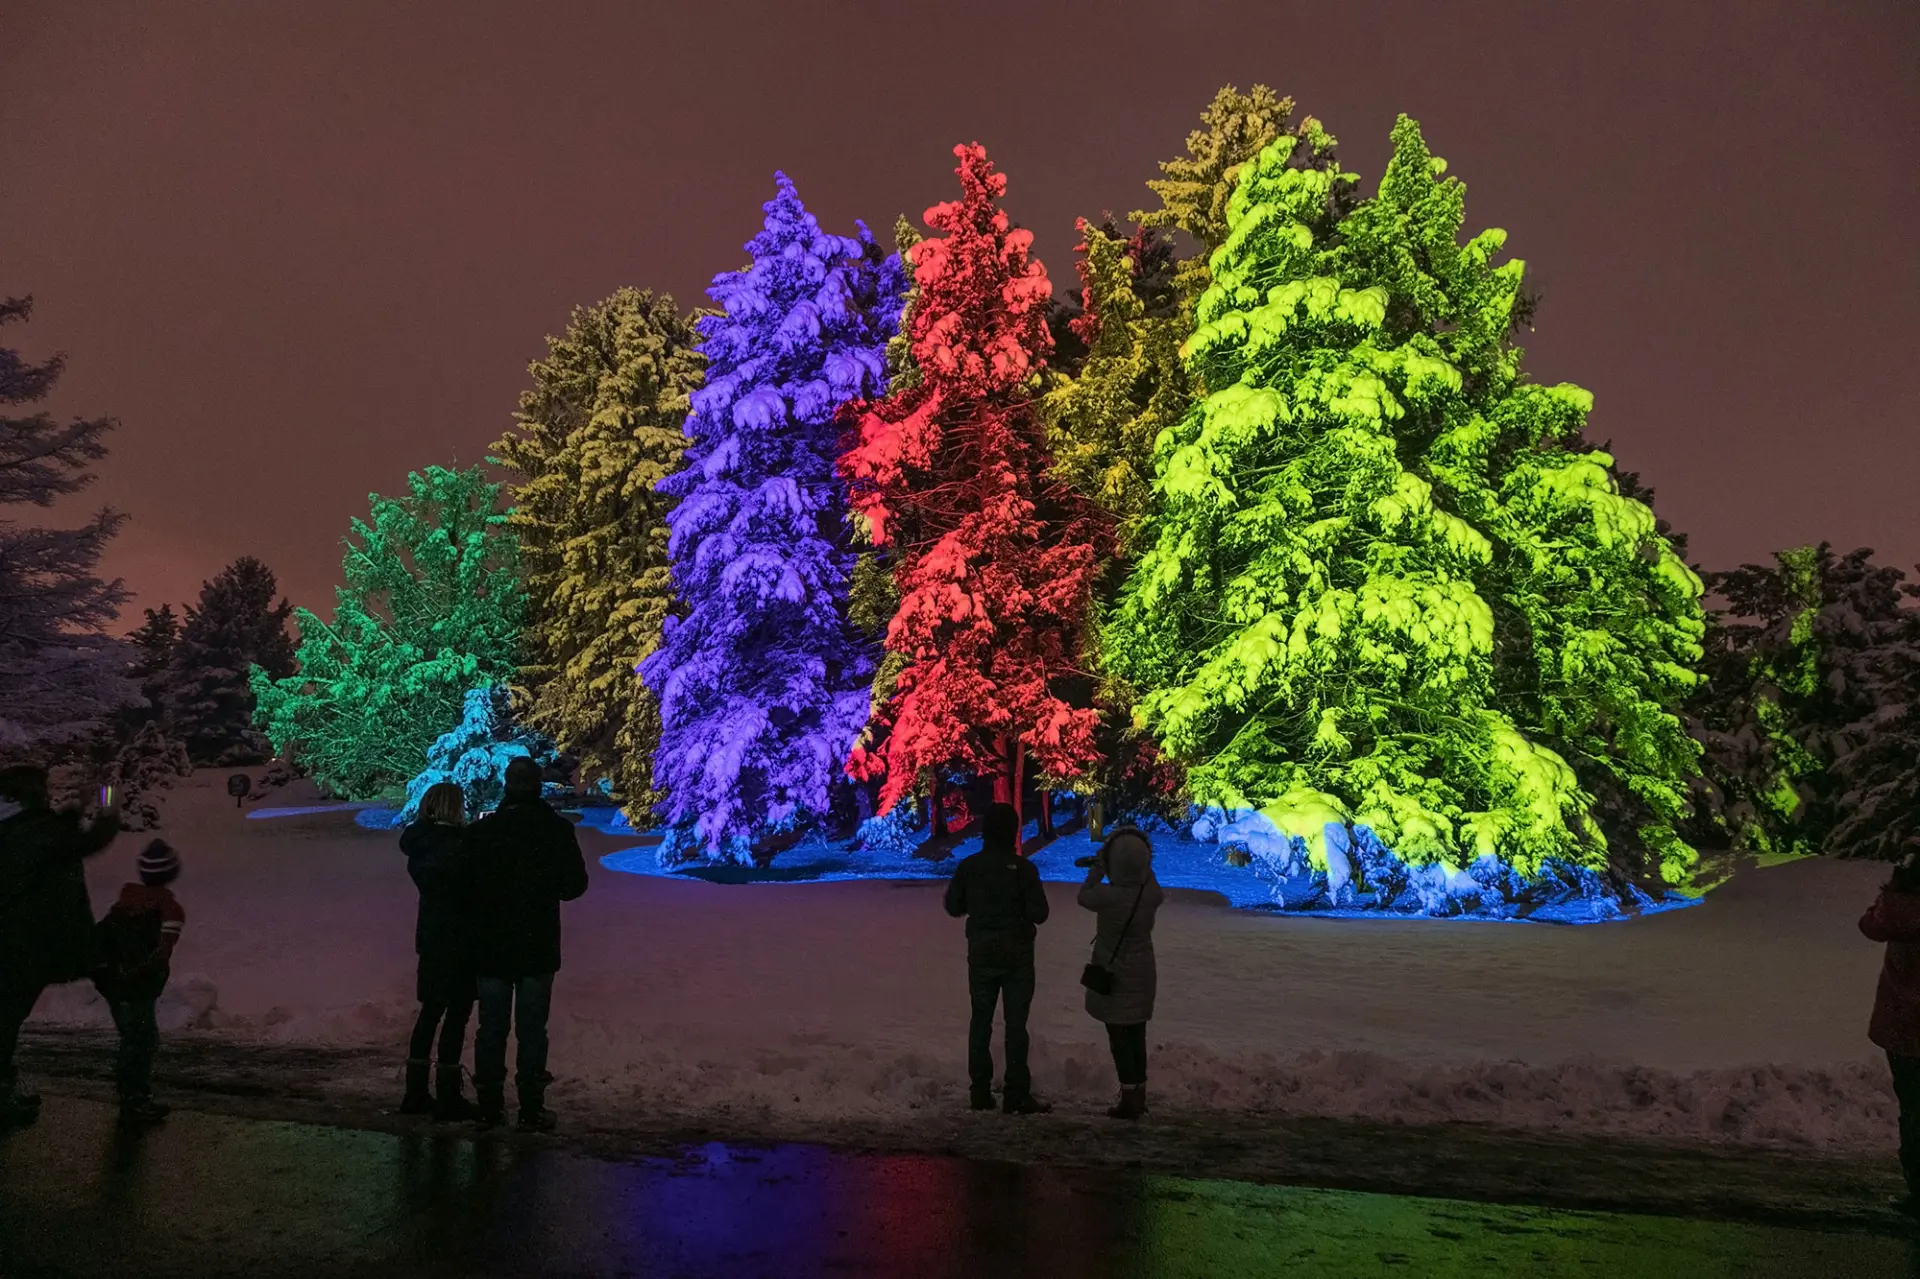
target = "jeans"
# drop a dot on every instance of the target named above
(1128, 1044)
(15, 1007)
(451, 1020)
(990, 986)
(521, 1002)
(139, 1041)
(1906, 1088)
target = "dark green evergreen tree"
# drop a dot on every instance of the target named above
(1802, 670)
(235, 628)
(153, 645)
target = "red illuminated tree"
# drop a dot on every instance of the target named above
(993, 559)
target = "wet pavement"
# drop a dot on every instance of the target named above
(214, 1194)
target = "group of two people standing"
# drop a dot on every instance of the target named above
(49, 937)
(488, 932)
(998, 892)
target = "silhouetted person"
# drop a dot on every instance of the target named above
(46, 920)
(1894, 918)
(1125, 905)
(999, 893)
(527, 861)
(442, 868)
(136, 941)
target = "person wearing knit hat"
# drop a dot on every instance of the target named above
(159, 865)
(46, 918)
(136, 941)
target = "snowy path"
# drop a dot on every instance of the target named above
(832, 1002)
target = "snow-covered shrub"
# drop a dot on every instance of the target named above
(475, 754)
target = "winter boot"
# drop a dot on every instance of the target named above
(140, 1110)
(1026, 1104)
(982, 1099)
(418, 1100)
(534, 1115)
(449, 1105)
(493, 1105)
(1133, 1103)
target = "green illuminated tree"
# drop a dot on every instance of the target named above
(432, 607)
(1386, 582)
(599, 428)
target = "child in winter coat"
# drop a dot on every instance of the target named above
(1894, 918)
(136, 941)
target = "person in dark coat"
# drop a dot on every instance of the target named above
(998, 892)
(1125, 905)
(526, 862)
(1894, 918)
(46, 919)
(441, 866)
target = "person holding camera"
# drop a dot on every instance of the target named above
(998, 892)
(526, 861)
(1121, 891)
(46, 918)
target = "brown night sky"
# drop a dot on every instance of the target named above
(299, 249)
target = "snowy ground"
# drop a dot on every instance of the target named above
(844, 1003)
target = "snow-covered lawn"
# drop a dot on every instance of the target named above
(1742, 1019)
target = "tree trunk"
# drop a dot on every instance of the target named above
(1006, 782)
(1019, 818)
(1046, 813)
(937, 796)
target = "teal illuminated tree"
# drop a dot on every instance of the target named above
(432, 606)
(1386, 583)
(474, 754)
(598, 430)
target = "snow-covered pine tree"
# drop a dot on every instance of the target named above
(598, 430)
(763, 682)
(61, 675)
(1876, 798)
(235, 628)
(148, 764)
(474, 753)
(1386, 583)
(1802, 668)
(992, 557)
(152, 643)
(1195, 188)
(432, 607)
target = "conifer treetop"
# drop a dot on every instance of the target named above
(992, 557)
(1197, 187)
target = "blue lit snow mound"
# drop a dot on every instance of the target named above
(1362, 879)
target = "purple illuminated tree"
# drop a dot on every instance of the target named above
(764, 683)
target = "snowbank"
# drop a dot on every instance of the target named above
(1741, 1020)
